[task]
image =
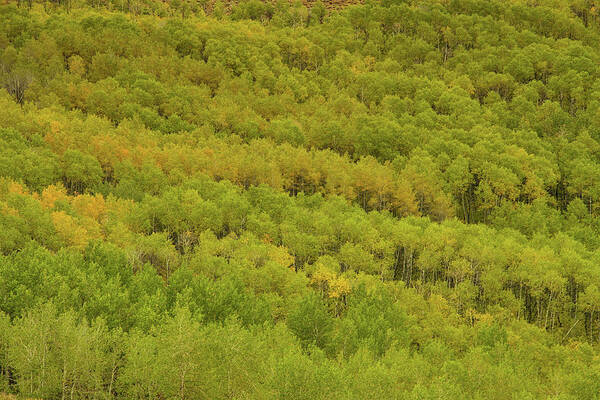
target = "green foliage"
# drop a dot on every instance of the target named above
(310, 321)
(396, 199)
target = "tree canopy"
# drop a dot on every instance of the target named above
(318, 200)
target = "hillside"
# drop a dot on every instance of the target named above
(253, 200)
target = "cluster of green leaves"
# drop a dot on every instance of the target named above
(397, 200)
(87, 325)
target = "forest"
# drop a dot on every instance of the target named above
(388, 199)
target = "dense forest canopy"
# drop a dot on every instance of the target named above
(256, 200)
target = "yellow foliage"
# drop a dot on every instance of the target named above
(69, 231)
(90, 206)
(109, 149)
(6, 210)
(483, 318)
(281, 256)
(339, 287)
(16, 188)
(322, 277)
(55, 127)
(92, 227)
(329, 283)
(51, 194)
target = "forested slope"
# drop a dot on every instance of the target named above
(397, 200)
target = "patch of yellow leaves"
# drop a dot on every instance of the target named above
(69, 231)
